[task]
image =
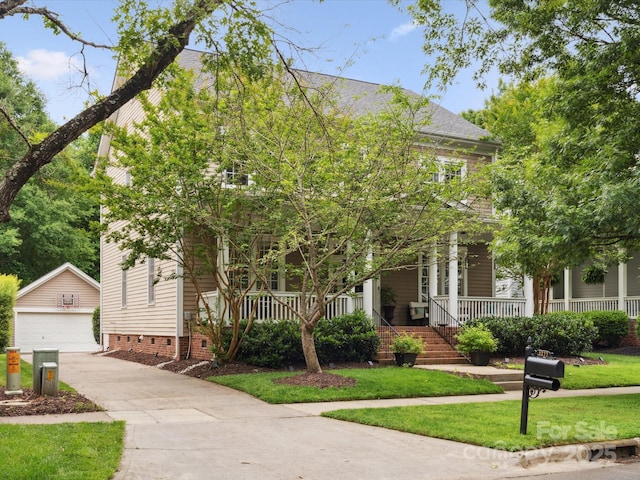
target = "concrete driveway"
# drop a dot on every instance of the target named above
(179, 427)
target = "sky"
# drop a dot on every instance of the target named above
(376, 42)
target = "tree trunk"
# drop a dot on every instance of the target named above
(41, 154)
(309, 349)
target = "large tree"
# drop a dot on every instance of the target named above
(53, 212)
(537, 227)
(149, 40)
(591, 50)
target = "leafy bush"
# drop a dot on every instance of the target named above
(510, 332)
(564, 333)
(95, 320)
(612, 326)
(476, 338)
(407, 344)
(8, 292)
(347, 338)
(271, 344)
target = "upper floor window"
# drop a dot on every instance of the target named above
(450, 169)
(233, 176)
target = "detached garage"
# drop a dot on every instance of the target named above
(55, 312)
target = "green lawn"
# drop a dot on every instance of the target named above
(66, 451)
(497, 424)
(69, 451)
(372, 383)
(620, 371)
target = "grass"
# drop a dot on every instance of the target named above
(69, 451)
(497, 425)
(620, 371)
(373, 383)
(26, 375)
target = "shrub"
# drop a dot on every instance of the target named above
(346, 338)
(95, 320)
(612, 326)
(564, 333)
(274, 344)
(510, 332)
(476, 338)
(271, 344)
(8, 292)
(407, 344)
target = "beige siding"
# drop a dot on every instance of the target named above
(47, 295)
(405, 285)
(137, 317)
(479, 275)
(579, 289)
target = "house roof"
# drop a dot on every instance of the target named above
(54, 273)
(358, 97)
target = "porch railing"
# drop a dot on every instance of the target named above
(281, 305)
(471, 308)
(579, 305)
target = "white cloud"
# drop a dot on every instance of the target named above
(43, 64)
(403, 30)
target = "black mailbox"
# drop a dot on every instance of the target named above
(544, 367)
(542, 382)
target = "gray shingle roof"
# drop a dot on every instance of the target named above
(358, 97)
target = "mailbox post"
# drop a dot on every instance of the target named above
(541, 372)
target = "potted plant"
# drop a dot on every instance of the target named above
(388, 299)
(478, 342)
(406, 349)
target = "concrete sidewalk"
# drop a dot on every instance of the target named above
(179, 427)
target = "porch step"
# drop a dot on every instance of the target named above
(437, 350)
(506, 379)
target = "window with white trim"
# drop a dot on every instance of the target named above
(450, 169)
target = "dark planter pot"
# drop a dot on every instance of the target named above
(406, 359)
(480, 359)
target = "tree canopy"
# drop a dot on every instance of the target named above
(53, 212)
(590, 149)
(149, 41)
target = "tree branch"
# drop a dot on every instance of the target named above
(53, 18)
(7, 7)
(14, 125)
(161, 57)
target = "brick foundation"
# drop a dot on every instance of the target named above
(162, 345)
(631, 339)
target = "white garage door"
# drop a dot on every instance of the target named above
(66, 331)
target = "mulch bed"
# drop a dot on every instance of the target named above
(28, 403)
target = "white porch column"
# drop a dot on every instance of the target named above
(453, 275)
(622, 286)
(528, 296)
(567, 289)
(367, 291)
(433, 272)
